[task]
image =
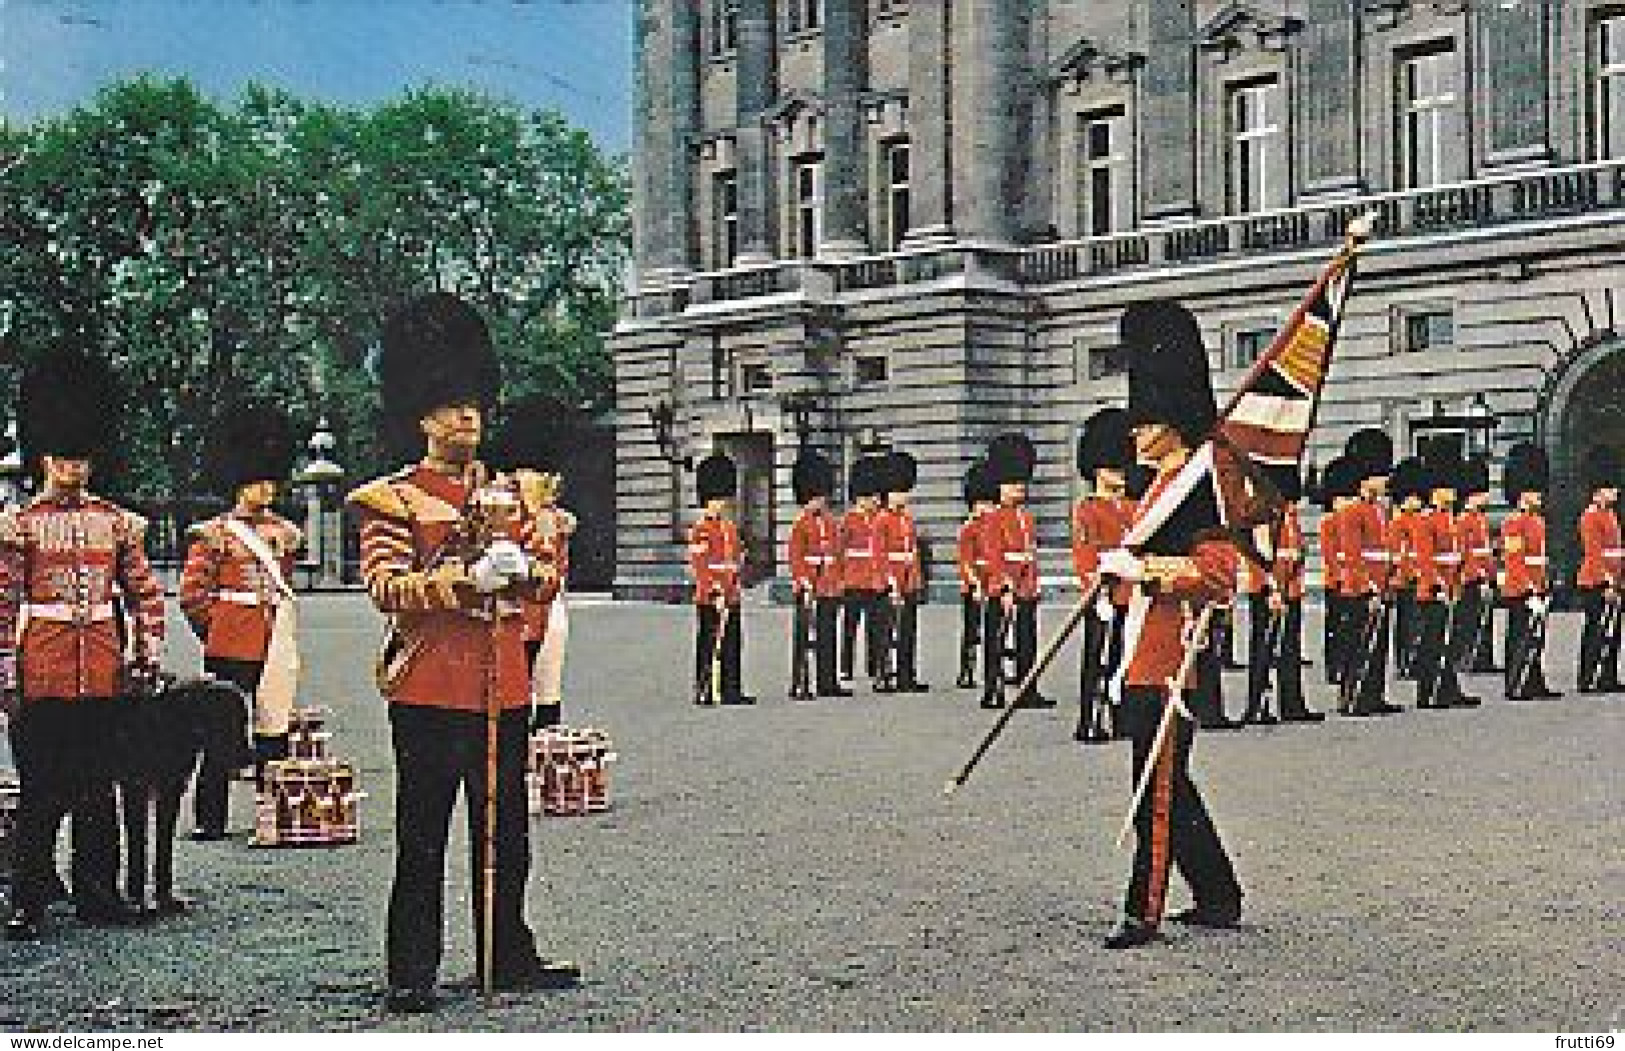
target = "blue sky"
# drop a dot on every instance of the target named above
(574, 55)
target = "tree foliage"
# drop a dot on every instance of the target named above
(207, 250)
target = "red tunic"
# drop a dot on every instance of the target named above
(1438, 561)
(1098, 524)
(66, 565)
(862, 561)
(972, 563)
(225, 591)
(1364, 540)
(815, 554)
(449, 651)
(1402, 530)
(1600, 553)
(1477, 552)
(714, 556)
(899, 540)
(1010, 542)
(1331, 554)
(1523, 540)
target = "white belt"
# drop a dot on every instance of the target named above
(1447, 559)
(723, 566)
(70, 613)
(859, 554)
(1535, 560)
(239, 598)
(1289, 552)
(1377, 556)
(1483, 551)
(1613, 552)
(820, 560)
(901, 556)
(1018, 556)
(979, 562)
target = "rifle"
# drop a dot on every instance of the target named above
(715, 685)
(1486, 614)
(802, 639)
(1273, 636)
(1534, 640)
(1606, 643)
(1354, 677)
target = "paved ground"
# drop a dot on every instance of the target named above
(796, 867)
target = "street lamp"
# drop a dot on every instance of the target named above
(800, 406)
(320, 479)
(1481, 426)
(662, 417)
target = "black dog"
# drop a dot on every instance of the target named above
(165, 733)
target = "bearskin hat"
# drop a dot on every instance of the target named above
(716, 477)
(868, 477)
(902, 472)
(1168, 380)
(435, 351)
(1526, 471)
(1137, 480)
(251, 441)
(1410, 477)
(1600, 468)
(1339, 479)
(1105, 442)
(812, 476)
(1475, 476)
(67, 406)
(1288, 482)
(1011, 458)
(979, 485)
(1372, 452)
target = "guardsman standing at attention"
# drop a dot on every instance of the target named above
(1011, 543)
(715, 557)
(1477, 614)
(1407, 489)
(447, 554)
(236, 595)
(899, 540)
(1275, 615)
(981, 497)
(1600, 578)
(815, 564)
(862, 571)
(1526, 586)
(1337, 488)
(81, 629)
(1099, 520)
(1366, 584)
(1176, 577)
(1438, 591)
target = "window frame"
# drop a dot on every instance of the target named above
(725, 223)
(722, 29)
(859, 361)
(892, 190)
(1259, 147)
(1441, 111)
(1090, 167)
(1605, 75)
(803, 241)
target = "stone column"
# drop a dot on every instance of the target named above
(1326, 94)
(930, 123)
(754, 70)
(667, 114)
(846, 183)
(1514, 50)
(1168, 118)
(992, 107)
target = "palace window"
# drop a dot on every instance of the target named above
(869, 369)
(1610, 88)
(1257, 151)
(1430, 139)
(1102, 182)
(725, 217)
(897, 199)
(802, 14)
(1248, 345)
(723, 27)
(807, 207)
(1423, 330)
(755, 377)
(1094, 363)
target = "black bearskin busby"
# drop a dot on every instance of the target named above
(1445, 472)
(1011, 458)
(67, 406)
(902, 472)
(1168, 380)
(1526, 471)
(812, 476)
(979, 485)
(1410, 477)
(1105, 442)
(1339, 479)
(1289, 483)
(1475, 476)
(1372, 451)
(435, 351)
(252, 441)
(868, 477)
(716, 477)
(1600, 468)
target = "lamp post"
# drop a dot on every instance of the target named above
(800, 407)
(1481, 431)
(320, 479)
(663, 418)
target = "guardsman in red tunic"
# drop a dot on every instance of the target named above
(236, 593)
(715, 558)
(1275, 615)
(863, 573)
(81, 628)
(1338, 489)
(1601, 576)
(1367, 558)
(815, 573)
(1477, 613)
(1406, 490)
(899, 539)
(1438, 590)
(1176, 576)
(1099, 519)
(1526, 586)
(448, 553)
(981, 497)
(1010, 541)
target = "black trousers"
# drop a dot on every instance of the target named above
(1022, 638)
(970, 635)
(1172, 823)
(1599, 648)
(1407, 632)
(1477, 618)
(1365, 665)
(1525, 650)
(224, 730)
(1436, 682)
(825, 614)
(705, 642)
(869, 609)
(1334, 642)
(1207, 686)
(1102, 654)
(68, 753)
(905, 628)
(1224, 635)
(438, 751)
(1286, 668)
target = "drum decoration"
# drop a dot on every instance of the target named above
(569, 771)
(309, 799)
(10, 795)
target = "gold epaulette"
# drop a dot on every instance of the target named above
(11, 532)
(381, 497)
